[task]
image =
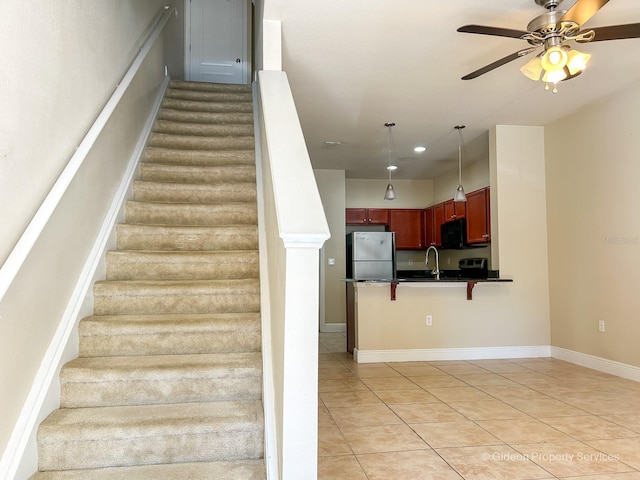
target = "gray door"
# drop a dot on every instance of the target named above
(219, 46)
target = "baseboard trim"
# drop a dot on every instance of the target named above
(600, 364)
(334, 328)
(35, 409)
(438, 354)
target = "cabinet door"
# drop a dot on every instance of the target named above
(355, 216)
(478, 220)
(438, 220)
(407, 223)
(378, 216)
(454, 210)
(428, 227)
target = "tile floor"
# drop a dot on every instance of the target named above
(513, 419)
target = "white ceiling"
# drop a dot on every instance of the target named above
(355, 64)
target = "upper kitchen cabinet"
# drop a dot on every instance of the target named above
(367, 216)
(407, 224)
(478, 216)
(454, 210)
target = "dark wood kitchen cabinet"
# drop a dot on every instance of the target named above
(428, 227)
(454, 210)
(367, 216)
(438, 220)
(478, 216)
(407, 223)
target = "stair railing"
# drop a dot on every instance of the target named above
(29, 237)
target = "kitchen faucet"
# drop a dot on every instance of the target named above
(435, 271)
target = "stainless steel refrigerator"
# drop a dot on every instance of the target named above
(371, 255)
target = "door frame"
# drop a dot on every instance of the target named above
(246, 41)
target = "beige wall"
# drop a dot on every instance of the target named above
(594, 228)
(331, 186)
(500, 315)
(370, 193)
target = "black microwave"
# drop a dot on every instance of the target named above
(453, 234)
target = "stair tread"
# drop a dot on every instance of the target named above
(162, 367)
(208, 86)
(167, 287)
(221, 470)
(211, 256)
(172, 156)
(126, 422)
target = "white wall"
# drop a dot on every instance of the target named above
(594, 228)
(61, 62)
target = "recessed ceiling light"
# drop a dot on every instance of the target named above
(420, 149)
(392, 167)
(331, 144)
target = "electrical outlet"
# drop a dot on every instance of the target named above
(429, 320)
(601, 325)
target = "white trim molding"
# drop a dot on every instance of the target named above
(439, 354)
(605, 365)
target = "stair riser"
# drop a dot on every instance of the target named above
(203, 96)
(195, 106)
(204, 129)
(159, 214)
(177, 271)
(158, 192)
(206, 117)
(172, 343)
(197, 175)
(164, 140)
(233, 387)
(139, 237)
(205, 447)
(199, 157)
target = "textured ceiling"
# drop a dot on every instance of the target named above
(355, 64)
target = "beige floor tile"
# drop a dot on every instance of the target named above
(571, 458)
(607, 476)
(385, 438)
(627, 450)
(331, 442)
(588, 427)
(349, 399)
(458, 394)
(426, 413)
(416, 370)
(364, 415)
(334, 373)
(508, 392)
(388, 383)
(632, 422)
(434, 381)
(457, 434)
(506, 368)
(462, 369)
(324, 417)
(476, 379)
(486, 410)
(340, 468)
(369, 370)
(546, 407)
(492, 462)
(597, 406)
(341, 384)
(523, 431)
(530, 378)
(417, 395)
(414, 465)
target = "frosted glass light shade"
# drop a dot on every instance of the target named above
(389, 194)
(459, 195)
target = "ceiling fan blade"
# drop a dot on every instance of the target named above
(583, 10)
(499, 63)
(499, 32)
(616, 32)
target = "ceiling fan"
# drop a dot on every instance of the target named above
(552, 31)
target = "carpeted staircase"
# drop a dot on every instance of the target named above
(168, 384)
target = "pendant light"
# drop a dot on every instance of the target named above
(389, 194)
(459, 195)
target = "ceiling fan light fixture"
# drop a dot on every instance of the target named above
(577, 61)
(555, 58)
(554, 76)
(532, 69)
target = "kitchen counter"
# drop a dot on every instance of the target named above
(428, 279)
